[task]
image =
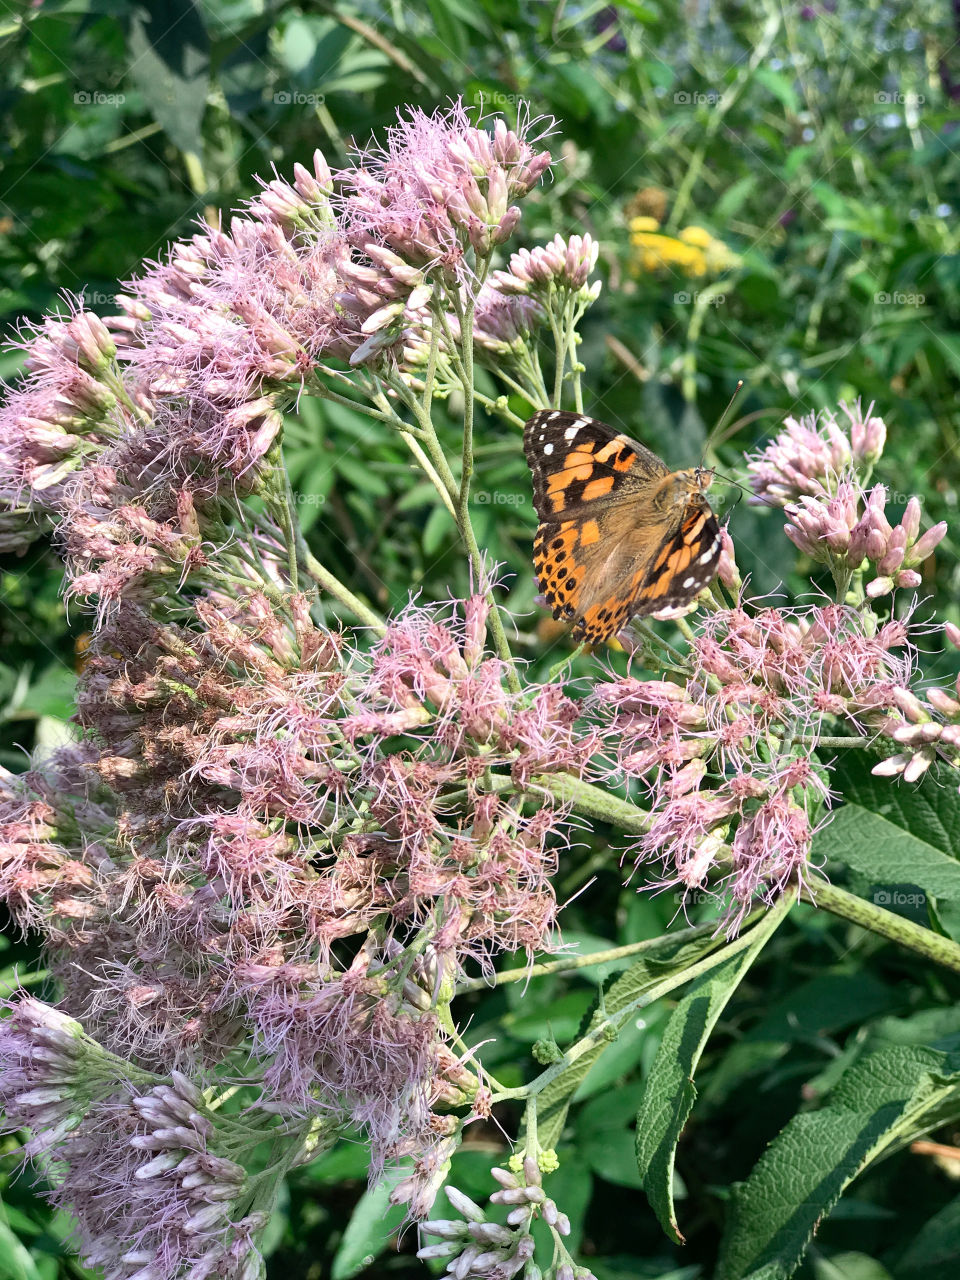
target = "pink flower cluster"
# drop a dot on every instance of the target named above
(812, 453)
(812, 470)
(144, 1170)
(562, 265)
(473, 1246)
(727, 757)
(210, 911)
(925, 730)
(440, 185)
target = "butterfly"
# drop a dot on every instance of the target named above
(620, 535)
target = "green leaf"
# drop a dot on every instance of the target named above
(373, 1221)
(880, 1101)
(439, 529)
(935, 1250)
(779, 85)
(667, 955)
(734, 198)
(812, 1011)
(16, 1261)
(360, 475)
(889, 852)
(170, 64)
(929, 810)
(849, 1266)
(605, 1135)
(670, 1093)
(585, 944)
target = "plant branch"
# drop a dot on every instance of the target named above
(930, 945)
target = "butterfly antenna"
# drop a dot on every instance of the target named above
(714, 438)
(763, 502)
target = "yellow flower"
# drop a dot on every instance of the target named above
(695, 252)
(698, 236)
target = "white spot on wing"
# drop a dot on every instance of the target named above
(688, 582)
(547, 448)
(571, 432)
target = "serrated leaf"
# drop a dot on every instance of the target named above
(929, 810)
(670, 1092)
(879, 1101)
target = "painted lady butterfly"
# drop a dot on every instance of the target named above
(620, 534)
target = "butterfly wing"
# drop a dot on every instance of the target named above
(599, 588)
(685, 563)
(602, 553)
(577, 461)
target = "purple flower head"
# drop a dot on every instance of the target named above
(721, 811)
(64, 410)
(503, 323)
(812, 455)
(562, 265)
(442, 185)
(821, 525)
(138, 1167)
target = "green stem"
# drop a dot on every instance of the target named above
(587, 799)
(571, 964)
(325, 579)
(851, 741)
(930, 945)
(600, 1033)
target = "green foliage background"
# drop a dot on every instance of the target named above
(820, 142)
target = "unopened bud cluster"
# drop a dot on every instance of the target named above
(475, 1247)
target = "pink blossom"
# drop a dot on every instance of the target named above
(560, 265)
(442, 185)
(812, 453)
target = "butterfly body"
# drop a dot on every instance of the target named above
(620, 534)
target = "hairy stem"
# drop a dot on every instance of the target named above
(930, 945)
(571, 964)
(325, 579)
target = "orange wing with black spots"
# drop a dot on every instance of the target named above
(577, 460)
(620, 535)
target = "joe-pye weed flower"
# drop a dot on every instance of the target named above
(281, 844)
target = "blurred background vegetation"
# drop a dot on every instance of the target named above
(775, 191)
